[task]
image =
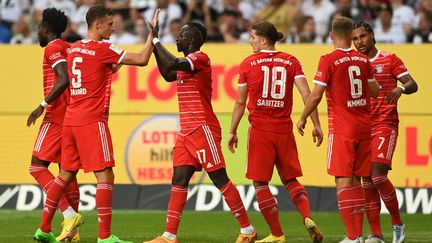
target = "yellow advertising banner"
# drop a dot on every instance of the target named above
(143, 119)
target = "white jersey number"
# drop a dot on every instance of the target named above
(76, 82)
(356, 84)
(278, 80)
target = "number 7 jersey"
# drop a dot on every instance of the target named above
(346, 74)
(269, 77)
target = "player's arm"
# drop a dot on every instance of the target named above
(239, 108)
(304, 90)
(168, 74)
(116, 67)
(409, 86)
(311, 104)
(373, 88)
(60, 86)
(168, 62)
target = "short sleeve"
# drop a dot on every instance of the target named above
(298, 69)
(198, 61)
(322, 76)
(398, 67)
(111, 54)
(243, 71)
(55, 54)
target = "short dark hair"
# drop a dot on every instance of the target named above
(55, 20)
(267, 30)
(200, 29)
(97, 12)
(342, 26)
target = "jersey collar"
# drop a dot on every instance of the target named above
(269, 51)
(342, 49)
(376, 56)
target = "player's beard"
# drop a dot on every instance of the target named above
(43, 42)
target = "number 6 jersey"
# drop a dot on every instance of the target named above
(90, 71)
(346, 74)
(269, 77)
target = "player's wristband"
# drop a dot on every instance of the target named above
(402, 88)
(155, 41)
(43, 103)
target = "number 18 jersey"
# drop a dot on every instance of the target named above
(346, 74)
(269, 77)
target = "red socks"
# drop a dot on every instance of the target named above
(72, 194)
(346, 206)
(373, 206)
(54, 193)
(44, 178)
(388, 195)
(175, 208)
(358, 195)
(269, 209)
(299, 197)
(104, 208)
(232, 198)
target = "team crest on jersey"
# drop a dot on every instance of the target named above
(115, 48)
(379, 68)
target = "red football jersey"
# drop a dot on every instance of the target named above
(54, 53)
(194, 90)
(346, 74)
(269, 76)
(90, 71)
(388, 68)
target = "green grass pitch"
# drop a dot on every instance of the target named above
(139, 225)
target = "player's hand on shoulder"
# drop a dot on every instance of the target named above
(317, 135)
(393, 95)
(232, 142)
(301, 124)
(31, 120)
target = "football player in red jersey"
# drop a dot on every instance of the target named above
(385, 122)
(47, 146)
(86, 141)
(348, 79)
(198, 144)
(267, 78)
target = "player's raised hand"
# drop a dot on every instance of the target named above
(35, 115)
(155, 23)
(301, 124)
(393, 95)
(317, 135)
(232, 142)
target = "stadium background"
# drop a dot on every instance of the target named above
(143, 123)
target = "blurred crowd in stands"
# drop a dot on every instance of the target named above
(301, 21)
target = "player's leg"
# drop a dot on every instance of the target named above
(382, 154)
(232, 198)
(270, 211)
(54, 193)
(47, 149)
(372, 208)
(341, 164)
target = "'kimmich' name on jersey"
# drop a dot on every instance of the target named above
(271, 59)
(270, 103)
(353, 58)
(356, 103)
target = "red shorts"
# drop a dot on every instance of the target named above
(267, 149)
(88, 147)
(347, 157)
(201, 149)
(383, 145)
(47, 146)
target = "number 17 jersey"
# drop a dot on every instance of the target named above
(269, 77)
